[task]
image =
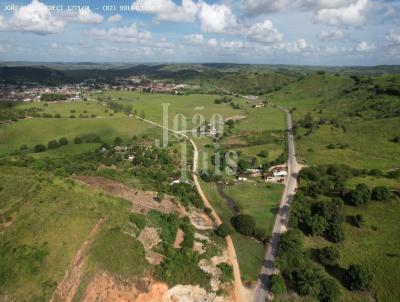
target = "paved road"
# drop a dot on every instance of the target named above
(240, 292)
(281, 221)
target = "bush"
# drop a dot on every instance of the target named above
(78, 140)
(117, 141)
(63, 141)
(57, 115)
(244, 224)
(277, 284)
(335, 232)
(359, 277)
(359, 220)
(23, 147)
(226, 272)
(360, 195)
(380, 193)
(330, 290)
(53, 144)
(329, 256)
(40, 148)
(394, 174)
(223, 230)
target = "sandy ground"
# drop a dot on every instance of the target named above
(149, 237)
(66, 289)
(179, 239)
(142, 202)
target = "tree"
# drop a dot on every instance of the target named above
(291, 241)
(360, 195)
(330, 290)
(244, 224)
(23, 147)
(40, 148)
(359, 277)
(317, 225)
(359, 220)
(117, 141)
(308, 281)
(329, 256)
(63, 141)
(78, 140)
(277, 284)
(335, 232)
(223, 230)
(380, 193)
(53, 144)
(263, 153)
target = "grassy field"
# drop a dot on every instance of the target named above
(52, 219)
(41, 130)
(376, 244)
(249, 251)
(258, 200)
(368, 145)
(65, 109)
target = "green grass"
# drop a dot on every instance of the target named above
(249, 251)
(64, 108)
(39, 130)
(52, 220)
(258, 200)
(129, 262)
(369, 145)
(378, 249)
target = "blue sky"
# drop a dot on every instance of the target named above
(309, 32)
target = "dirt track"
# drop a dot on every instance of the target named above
(66, 289)
(142, 202)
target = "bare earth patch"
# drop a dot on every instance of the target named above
(149, 238)
(236, 118)
(179, 239)
(210, 267)
(66, 289)
(142, 202)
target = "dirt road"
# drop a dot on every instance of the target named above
(240, 292)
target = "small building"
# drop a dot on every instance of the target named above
(258, 105)
(131, 157)
(242, 178)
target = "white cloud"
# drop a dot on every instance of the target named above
(212, 42)
(35, 18)
(264, 32)
(114, 19)
(352, 14)
(330, 35)
(393, 37)
(298, 46)
(126, 34)
(216, 18)
(194, 39)
(364, 46)
(167, 10)
(82, 16)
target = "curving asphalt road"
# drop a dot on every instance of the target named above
(261, 293)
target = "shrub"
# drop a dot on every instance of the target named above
(57, 115)
(23, 147)
(380, 193)
(223, 230)
(359, 277)
(53, 144)
(226, 272)
(335, 232)
(117, 141)
(63, 141)
(394, 174)
(40, 148)
(78, 140)
(329, 256)
(244, 224)
(330, 290)
(359, 220)
(277, 284)
(360, 195)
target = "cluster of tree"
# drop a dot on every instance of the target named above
(223, 100)
(245, 225)
(52, 97)
(119, 107)
(318, 217)
(337, 146)
(52, 144)
(87, 138)
(362, 194)
(306, 278)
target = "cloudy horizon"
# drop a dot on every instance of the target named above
(301, 32)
